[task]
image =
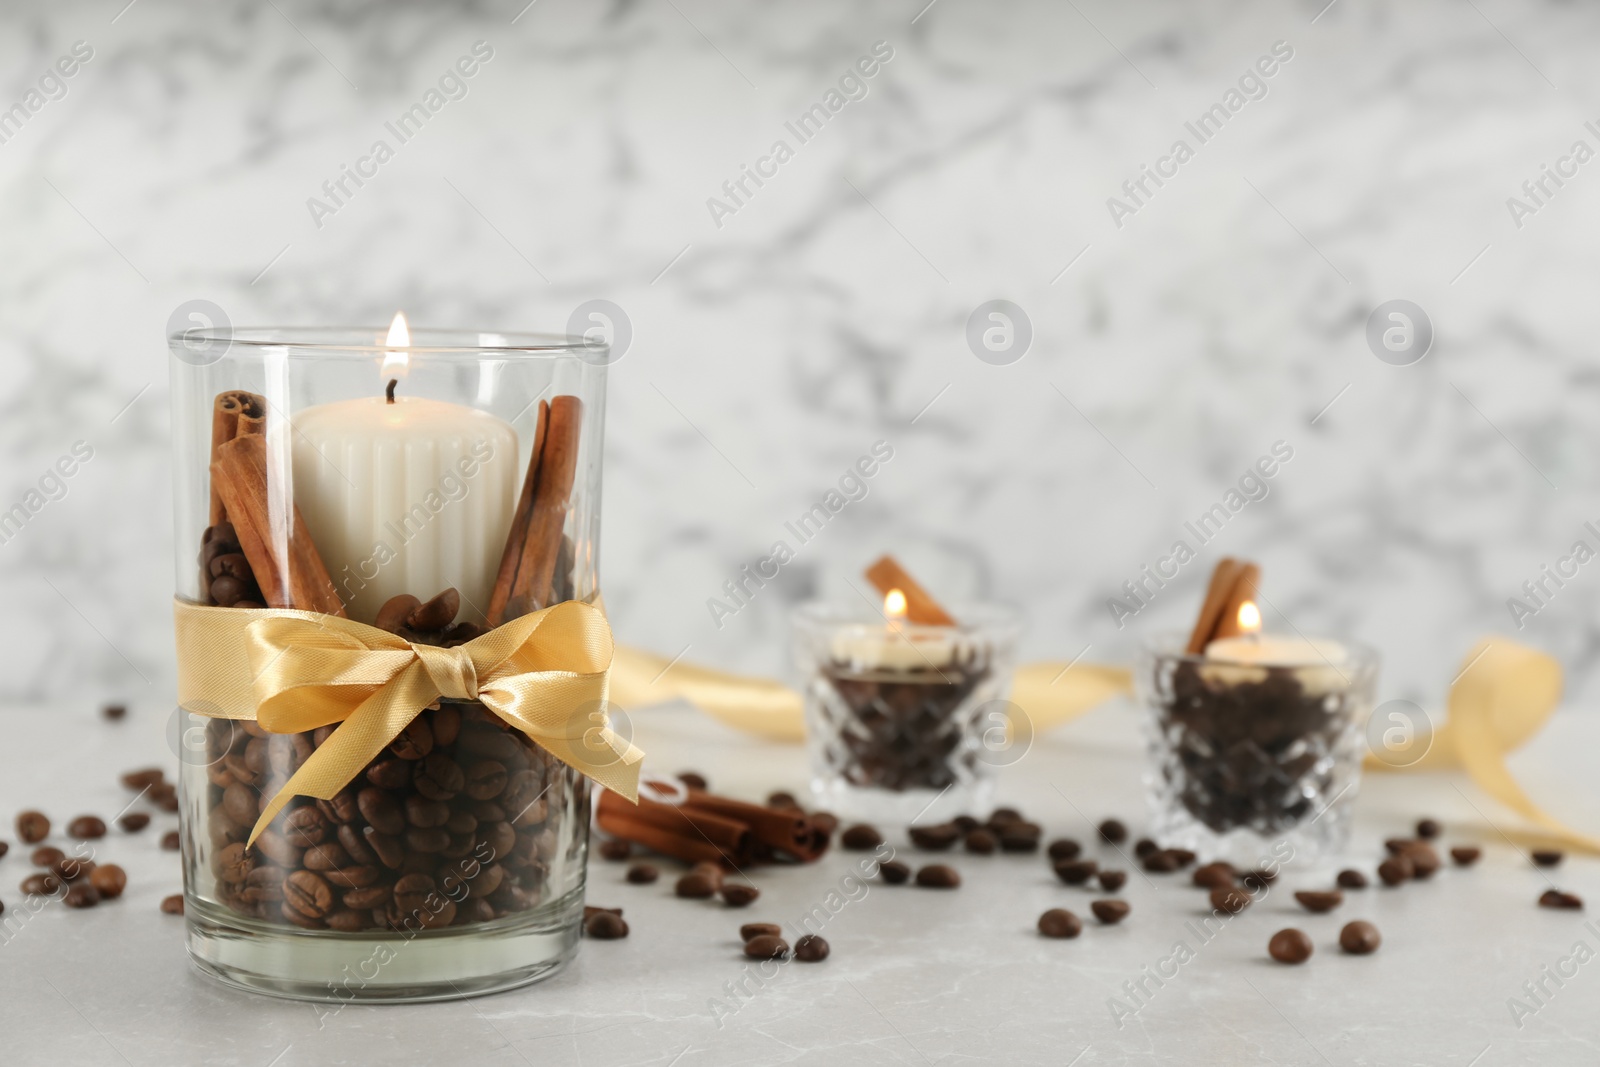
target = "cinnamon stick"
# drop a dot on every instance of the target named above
(779, 834)
(1232, 583)
(921, 608)
(517, 536)
(226, 414)
(556, 468)
(290, 575)
(687, 834)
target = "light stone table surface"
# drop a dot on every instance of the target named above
(916, 976)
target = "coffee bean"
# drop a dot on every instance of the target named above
(860, 838)
(439, 777)
(109, 880)
(390, 774)
(1184, 856)
(368, 898)
(967, 823)
(1063, 848)
(616, 849)
(1004, 817)
(241, 803)
(1111, 881)
(1113, 831)
(46, 885)
(277, 848)
(1110, 912)
(811, 949)
(1359, 938)
(1259, 878)
(1318, 901)
(1554, 898)
(766, 947)
(605, 926)
(1020, 837)
(643, 873)
(1398, 845)
(114, 712)
(894, 872)
(693, 780)
(936, 838)
(143, 778)
(356, 845)
(5, 846)
(169, 841)
(1546, 857)
(1144, 846)
(1214, 875)
(415, 741)
(1289, 946)
(305, 826)
(485, 779)
(749, 930)
(1075, 872)
(33, 827)
(81, 895)
(72, 868)
(1350, 878)
(1465, 855)
(1161, 861)
(982, 841)
(739, 896)
(326, 857)
(428, 839)
(426, 813)
(825, 821)
(134, 821)
(1427, 829)
(46, 856)
(411, 893)
(938, 876)
(1059, 922)
(164, 796)
(695, 886)
(172, 905)
(381, 810)
(1230, 899)
(307, 893)
(1395, 869)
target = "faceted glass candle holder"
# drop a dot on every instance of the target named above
(905, 722)
(1250, 762)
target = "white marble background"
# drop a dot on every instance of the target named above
(829, 312)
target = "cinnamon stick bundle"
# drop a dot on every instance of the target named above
(780, 834)
(921, 608)
(526, 580)
(694, 836)
(1232, 583)
(290, 575)
(234, 413)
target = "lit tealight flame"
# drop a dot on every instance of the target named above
(396, 362)
(894, 607)
(1249, 618)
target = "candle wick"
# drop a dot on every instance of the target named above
(388, 391)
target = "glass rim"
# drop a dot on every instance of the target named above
(367, 341)
(1170, 644)
(971, 618)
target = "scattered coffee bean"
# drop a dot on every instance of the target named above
(1395, 869)
(1215, 875)
(894, 872)
(605, 926)
(1113, 831)
(1161, 861)
(1465, 855)
(1110, 912)
(5, 846)
(113, 712)
(164, 796)
(1230, 899)
(72, 868)
(811, 949)
(782, 799)
(170, 841)
(143, 778)
(696, 885)
(826, 821)
(1428, 829)
(643, 873)
(172, 905)
(737, 895)
(1144, 846)
(616, 849)
(695, 780)
(767, 947)
(1020, 837)
(44, 885)
(1259, 878)
(590, 910)
(939, 837)
(81, 895)
(860, 838)
(1183, 856)
(1111, 881)
(1075, 872)
(1350, 878)
(110, 880)
(1004, 817)
(1424, 860)
(1555, 898)
(1546, 857)
(982, 841)
(1289, 946)
(749, 930)
(1318, 901)
(938, 876)
(1398, 845)
(33, 827)
(134, 821)
(1359, 938)
(1064, 848)
(46, 856)
(1059, 922)
(967, 823)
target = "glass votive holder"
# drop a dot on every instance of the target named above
(1254, 762)
(905, 722)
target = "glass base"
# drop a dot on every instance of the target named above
(383, 966)
(1303, 845)
(854, 803)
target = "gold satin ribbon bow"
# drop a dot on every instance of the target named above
(546, 674)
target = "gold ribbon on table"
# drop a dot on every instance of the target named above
(1502, 697)
(546, 674)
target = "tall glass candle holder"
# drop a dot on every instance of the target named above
(434, 485)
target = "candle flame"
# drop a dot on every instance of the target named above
(1249, 617)
(396, 362)
(894, 605)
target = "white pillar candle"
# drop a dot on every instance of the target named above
(409, 496)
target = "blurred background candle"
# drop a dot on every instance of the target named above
(404, 494)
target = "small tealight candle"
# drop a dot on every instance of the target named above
(895, 648)
(1251, 652)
